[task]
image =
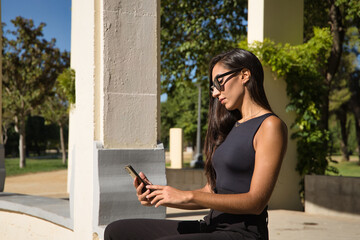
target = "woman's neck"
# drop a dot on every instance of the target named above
(249, 109)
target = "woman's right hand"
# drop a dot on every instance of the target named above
(139, 190)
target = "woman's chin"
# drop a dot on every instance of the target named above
(229, 107)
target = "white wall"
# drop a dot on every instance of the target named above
(282, 22)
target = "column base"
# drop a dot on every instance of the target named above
(114, 194)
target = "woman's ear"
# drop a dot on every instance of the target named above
(245, 76)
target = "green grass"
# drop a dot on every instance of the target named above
(32, 166)
(348, 169)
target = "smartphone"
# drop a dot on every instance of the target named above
(134, 174)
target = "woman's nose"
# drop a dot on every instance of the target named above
(215, 93)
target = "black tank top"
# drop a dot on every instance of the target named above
(234, 162)
(234, 159)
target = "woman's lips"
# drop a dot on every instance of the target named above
(221, 100)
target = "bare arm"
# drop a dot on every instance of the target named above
(145, 201)
(270, 144)
(189, 205)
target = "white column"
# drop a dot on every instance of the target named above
(115, 51)
(282, 22)
(279, 20)
(176, 147)
(82, 119)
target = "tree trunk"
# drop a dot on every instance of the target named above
(62, 143)
(5, 135)
(357, 127)
(20, 128)
(325, 113)
(355, 104)
(341, 114)
(338, 33)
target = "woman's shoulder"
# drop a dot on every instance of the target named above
(274, 123)
(272, 133)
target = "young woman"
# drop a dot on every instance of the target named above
(245, 145)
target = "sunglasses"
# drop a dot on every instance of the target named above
(218, 84)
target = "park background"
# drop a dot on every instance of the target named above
(184, 64)
(330, 100)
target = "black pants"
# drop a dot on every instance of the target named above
(148, 229)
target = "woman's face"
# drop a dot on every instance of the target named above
(232, 90)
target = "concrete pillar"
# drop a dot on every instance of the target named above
(130, 81)
(279, 20)
(115, 51)
(282, 22)
(2, 152)
(176, 147)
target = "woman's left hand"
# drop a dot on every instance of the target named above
(162, 195)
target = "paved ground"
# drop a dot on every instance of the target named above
(292, 225)
(283, 225)
(48, 184)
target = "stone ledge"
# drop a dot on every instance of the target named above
(53, 210)
(332, 195)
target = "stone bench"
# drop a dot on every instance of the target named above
(50, 209)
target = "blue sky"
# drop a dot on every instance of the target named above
(55, 13)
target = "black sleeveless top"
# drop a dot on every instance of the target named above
(234, 162)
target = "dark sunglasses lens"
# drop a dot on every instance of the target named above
(217, 84)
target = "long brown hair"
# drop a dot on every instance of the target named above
(221, 120)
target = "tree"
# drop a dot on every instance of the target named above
(194, 31)
(354, 103)
(181, 111)
(7, 121)
(191, 33)
(353, 48)
(56, 107)
(344, 19)
(31, 65)
(339, 99)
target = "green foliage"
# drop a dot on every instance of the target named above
(351, 9)
(55, 108)
(335, 135)
(302, 68)
(194, 31)
(180, 111)
(66, 83)
(316, 13)
(31, 65)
